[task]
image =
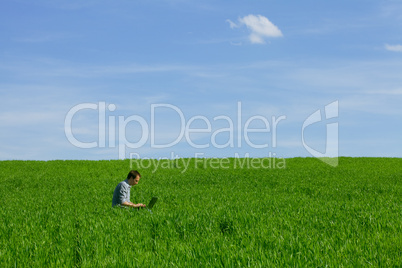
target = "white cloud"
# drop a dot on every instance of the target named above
(395, 48)
(259, 26)
(232, 24)
(397, 91)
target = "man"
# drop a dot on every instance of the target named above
(121, 195)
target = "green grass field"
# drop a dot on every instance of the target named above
(58, 213)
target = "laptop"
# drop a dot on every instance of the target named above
(152, 202)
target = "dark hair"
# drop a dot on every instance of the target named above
(133, 173)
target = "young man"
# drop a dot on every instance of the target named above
(121, 195)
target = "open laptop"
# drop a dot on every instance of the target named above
(152, 202)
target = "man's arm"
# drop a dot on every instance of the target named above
(129, 204)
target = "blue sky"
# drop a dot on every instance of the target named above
(207, 59)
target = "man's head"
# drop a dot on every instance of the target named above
(133, 177)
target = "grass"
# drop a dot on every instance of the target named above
(58, 214)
